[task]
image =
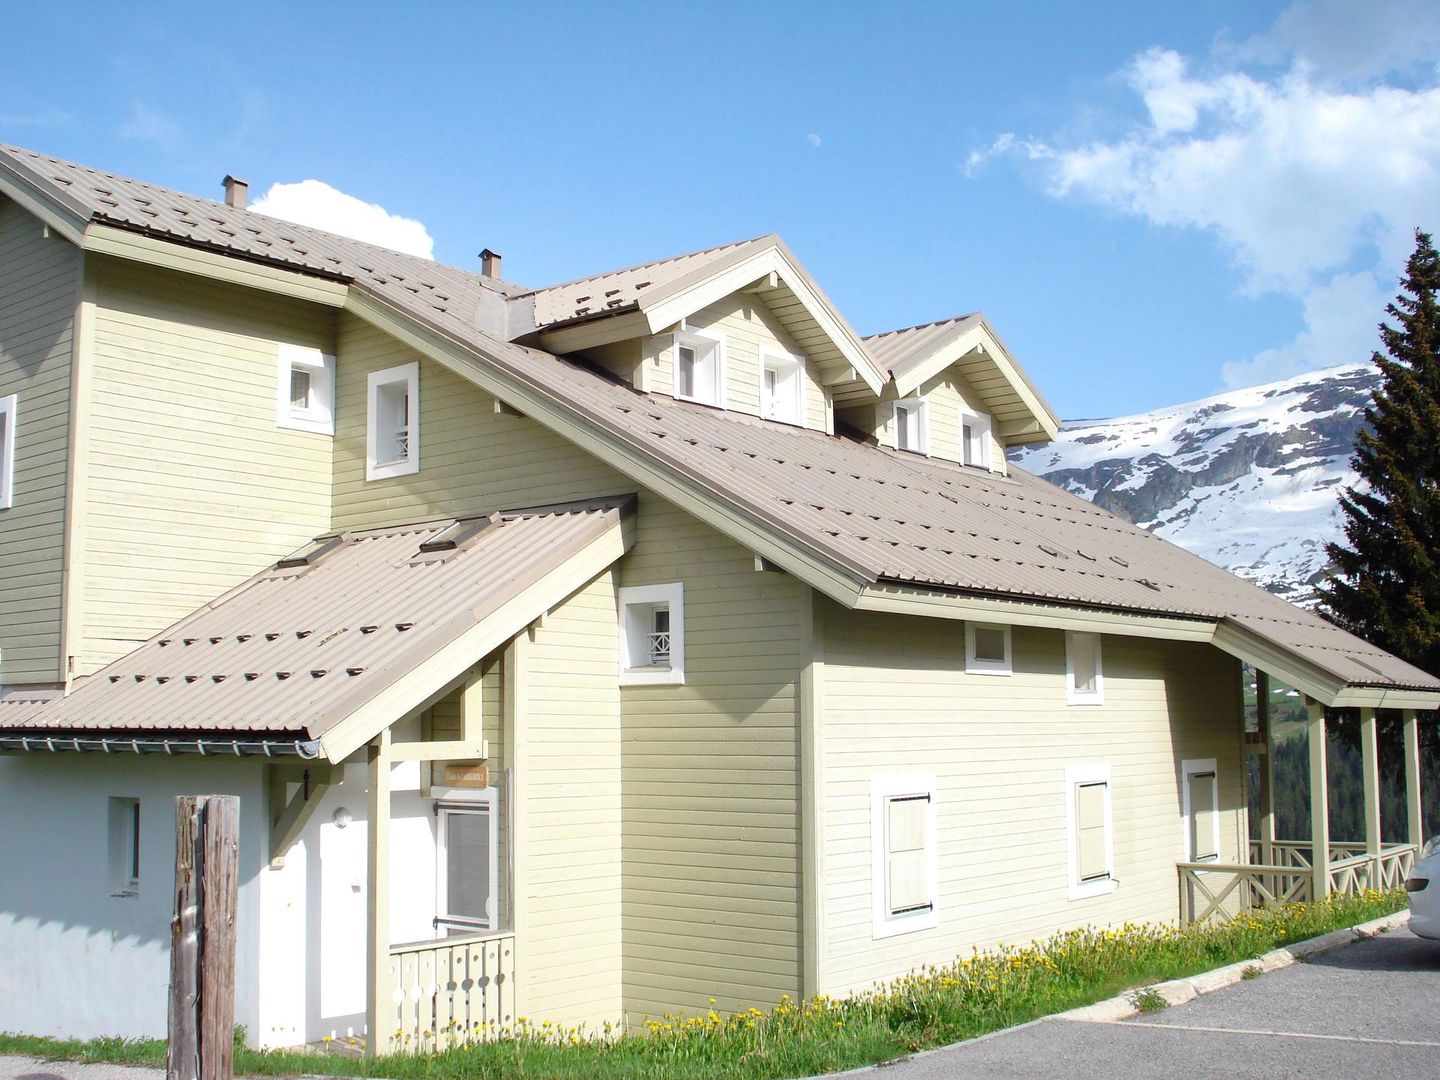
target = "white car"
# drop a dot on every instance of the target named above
(1423, 885)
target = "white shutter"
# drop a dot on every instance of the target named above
(907, 865)
(1091, 861)
(1202, 816)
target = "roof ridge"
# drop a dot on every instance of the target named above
(642, 265)
(925, 325)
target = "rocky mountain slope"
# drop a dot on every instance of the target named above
(1247, 479)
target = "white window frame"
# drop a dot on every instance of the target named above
(1189, 768)
(977, 666)
(882, 789)
(673, 596)
(9, 409)
(478, 801)
(688, 335)
(320, 415)
(410, 375)
(981, 429)
(791, 369)
(1073, 694)
(1076, 775)
(123, 845)
(921, 407)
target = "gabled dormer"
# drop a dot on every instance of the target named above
(954, 392)
(741, 327)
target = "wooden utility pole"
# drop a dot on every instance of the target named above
(202, 938)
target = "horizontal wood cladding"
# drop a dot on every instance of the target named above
(711, 841)
(39, 288)
(571, 946)
(896, 699)
(472, 459)
(191, 486)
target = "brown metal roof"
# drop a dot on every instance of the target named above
(875, 515)
(294, 650)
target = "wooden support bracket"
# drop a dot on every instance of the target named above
(286, 825)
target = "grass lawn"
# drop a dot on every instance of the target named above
(938, 1005)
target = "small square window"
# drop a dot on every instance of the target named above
(1084, 673)
(904, 854)
(124, 847)
(699, 367)
(393, 437)
(975, 444)
(781, 387)
(467, 864)
(910, 433)
(1089, 825)
(987, 649)
(8, 408)
(652, 634)
(305, 390)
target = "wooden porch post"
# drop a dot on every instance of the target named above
(378, 1000)
(1319, 802)
(1370, 766)
(516, 780)
(1414, 813)
(1267, 770)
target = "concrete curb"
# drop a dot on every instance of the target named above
(1179, 991)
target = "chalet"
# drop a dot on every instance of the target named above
(582, 652)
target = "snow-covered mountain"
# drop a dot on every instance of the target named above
(1248, 479)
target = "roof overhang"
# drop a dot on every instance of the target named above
(66, 217)
(769, 270)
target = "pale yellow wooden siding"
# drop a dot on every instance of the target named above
(471, 458)
(945, 395)
(623, 359)
(748, 326)
(896, 699)
(192, 487)
(570, 950)
(712, 881)
(39, 289)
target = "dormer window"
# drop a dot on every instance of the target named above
(699, 367)
(975, 438)
(305, 390)
(910, 433)
(393, 442)
(781, 385)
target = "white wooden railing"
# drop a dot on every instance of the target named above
(451, 992)
(1220, 890)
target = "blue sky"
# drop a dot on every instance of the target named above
(1151, 202)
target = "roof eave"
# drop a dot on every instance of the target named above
(61, 213)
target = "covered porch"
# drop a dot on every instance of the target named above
(1280, 869)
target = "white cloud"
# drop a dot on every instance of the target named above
(1343, 40)
(813, 139)
(1313, 187)
(316, 203)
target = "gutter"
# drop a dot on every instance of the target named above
(305, 749)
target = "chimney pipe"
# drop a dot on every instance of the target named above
(490, 263)
(235, 192)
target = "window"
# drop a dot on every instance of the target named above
(910, 431)
(781, 387)
(8, 407)
(1201, 809)
(393, 446)
(699, 367)
(1084, 678)
(1089, 825)
(987, 649)
(124, 847)
(652, 634)
(975, 438)
(467, 861)
(305, 390)
(903, 838)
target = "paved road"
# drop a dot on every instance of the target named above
(1367, 1010)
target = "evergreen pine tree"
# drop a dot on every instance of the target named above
(1385, 586)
